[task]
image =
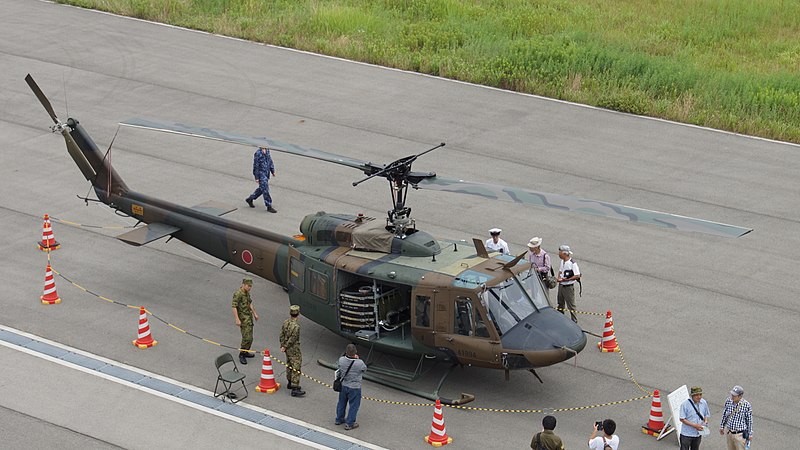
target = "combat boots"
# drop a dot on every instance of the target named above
(242, 358)
(298, 392)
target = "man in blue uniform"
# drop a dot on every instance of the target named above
(263, 167)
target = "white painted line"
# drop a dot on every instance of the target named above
(173, 398)
(305, 52)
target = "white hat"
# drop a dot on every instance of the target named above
(565, 248)
(535, 242)
(495, 231)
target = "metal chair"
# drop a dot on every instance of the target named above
(229, 378)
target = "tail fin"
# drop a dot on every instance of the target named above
(84, 151)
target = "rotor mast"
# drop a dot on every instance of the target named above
(400, 176)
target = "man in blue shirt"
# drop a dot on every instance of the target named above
(263, 167)
(694, 417)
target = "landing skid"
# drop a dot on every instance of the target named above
(408, 376)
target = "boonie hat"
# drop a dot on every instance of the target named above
(737, 390)
(696, 390)
(535, 242)
(294, 309)
(247, 281)
(495, 231)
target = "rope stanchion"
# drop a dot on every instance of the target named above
(379, 400)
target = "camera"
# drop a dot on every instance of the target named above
(598, 425)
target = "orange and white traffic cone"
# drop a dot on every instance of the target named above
(144, 339)
(50, 296)
(656, 422)
(609, 342)
(267, 383)
(48, 239)
(438, 436)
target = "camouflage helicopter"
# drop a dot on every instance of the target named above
(382, 283)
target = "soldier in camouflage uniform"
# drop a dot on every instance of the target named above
(244, 313)
(290, 344)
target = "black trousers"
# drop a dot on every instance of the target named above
(690, 443)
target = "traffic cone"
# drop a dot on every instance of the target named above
(50, 296)
(48, 239)
(438, 436)
(144, 340)
(609, 342)
(656, 422)
(267, 383)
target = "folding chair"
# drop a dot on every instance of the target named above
(228, 378)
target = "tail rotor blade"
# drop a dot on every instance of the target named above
(42, 99)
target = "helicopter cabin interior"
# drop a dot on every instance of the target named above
(373, 310)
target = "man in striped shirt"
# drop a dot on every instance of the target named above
(737, 420)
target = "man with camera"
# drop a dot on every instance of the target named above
(607, 439)
(694, 417)
(568, 274)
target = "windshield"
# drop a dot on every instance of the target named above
(508, 305)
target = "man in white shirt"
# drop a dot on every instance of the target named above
(495, 244)
(568, 274)
(607, 437)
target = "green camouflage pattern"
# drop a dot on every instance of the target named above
(290, 340)
(246, 328)
(241, 301)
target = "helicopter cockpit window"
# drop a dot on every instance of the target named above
(422, 311)
(507, 303)
(463, 319)
(297, 274)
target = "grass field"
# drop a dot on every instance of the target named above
(727, 64)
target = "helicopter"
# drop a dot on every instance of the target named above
(383, 283)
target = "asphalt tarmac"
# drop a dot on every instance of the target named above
(688, 308)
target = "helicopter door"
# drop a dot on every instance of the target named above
(466, 336)
(422, 316)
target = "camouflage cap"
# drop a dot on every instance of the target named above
(294, 309)
(247, 281)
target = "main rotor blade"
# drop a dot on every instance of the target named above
(42, 99)
(593, 207)
(224, 136)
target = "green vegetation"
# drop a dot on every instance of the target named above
(727, 64)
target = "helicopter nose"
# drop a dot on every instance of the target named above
(544, 332)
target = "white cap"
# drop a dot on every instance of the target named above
(495, 231)
(565, 248)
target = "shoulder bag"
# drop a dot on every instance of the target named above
(337, 380)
